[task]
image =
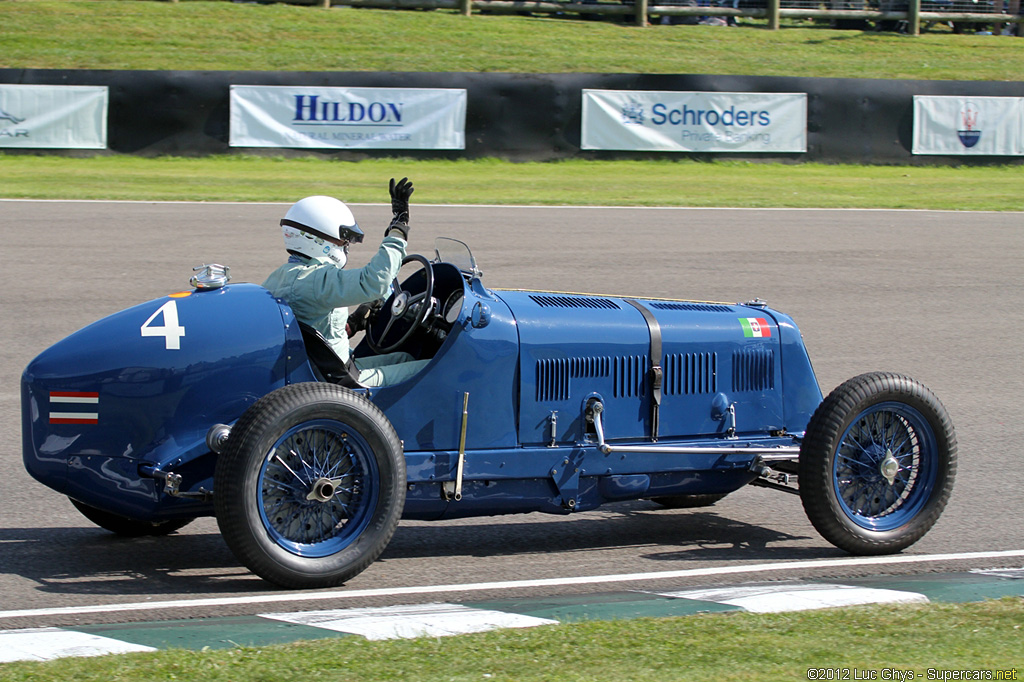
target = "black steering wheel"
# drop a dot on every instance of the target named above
(403, 304)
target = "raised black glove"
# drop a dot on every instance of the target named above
(400, 193)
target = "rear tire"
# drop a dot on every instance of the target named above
(877, 464)
(311, 486)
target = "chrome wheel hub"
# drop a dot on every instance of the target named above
(889, 467)
(323, 489)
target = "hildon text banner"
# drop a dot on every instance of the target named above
(347, 118)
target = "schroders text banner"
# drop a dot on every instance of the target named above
(53, 116)
(668, 121)
(347, 118)
(968, 126)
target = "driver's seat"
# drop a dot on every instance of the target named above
(325, 361)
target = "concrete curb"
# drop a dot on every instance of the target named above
(445, 619)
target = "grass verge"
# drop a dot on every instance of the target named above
(573, 182)
(868, 641)
(112, 34)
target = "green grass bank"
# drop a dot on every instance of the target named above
(140, 34)
(487, 181)
(985, 637)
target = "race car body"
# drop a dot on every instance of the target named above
(218, 401)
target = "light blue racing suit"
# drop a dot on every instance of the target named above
(319, 293)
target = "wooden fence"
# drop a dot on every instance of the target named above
(639, 11)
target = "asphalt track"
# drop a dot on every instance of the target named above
(931, 294)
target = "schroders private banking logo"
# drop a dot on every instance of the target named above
(633, 113)
(969, 133)
(700, 121)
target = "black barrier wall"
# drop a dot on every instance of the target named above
(515, 116)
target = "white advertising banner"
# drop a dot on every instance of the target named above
(981, 126)
(667, 121)
(347, 118)
(53, 116)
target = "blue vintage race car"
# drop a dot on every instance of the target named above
(218, 401)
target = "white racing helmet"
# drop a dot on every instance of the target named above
(320, 227)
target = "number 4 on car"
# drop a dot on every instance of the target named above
(170, 330)
(529, 401)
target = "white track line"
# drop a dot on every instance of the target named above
(509, 585)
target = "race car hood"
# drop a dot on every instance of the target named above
(721, 367)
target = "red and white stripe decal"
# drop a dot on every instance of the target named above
(69, 407)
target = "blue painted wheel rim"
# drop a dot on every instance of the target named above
(889, 438)
(318, 487)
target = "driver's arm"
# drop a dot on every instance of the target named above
(329, 288)
(333, 288)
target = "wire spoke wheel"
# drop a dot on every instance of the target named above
(311, 486)
(877, 464)
(884, 469)
(318, 487)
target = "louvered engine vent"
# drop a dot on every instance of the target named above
(691, 373)
(574, 302)
(753, 369)
(697, 307)
(554, 375)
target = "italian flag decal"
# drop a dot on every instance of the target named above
(755, 327)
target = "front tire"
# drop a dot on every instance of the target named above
(311, 486)
(877, 464)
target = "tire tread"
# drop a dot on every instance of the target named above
(815, 469)
(263, 416)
